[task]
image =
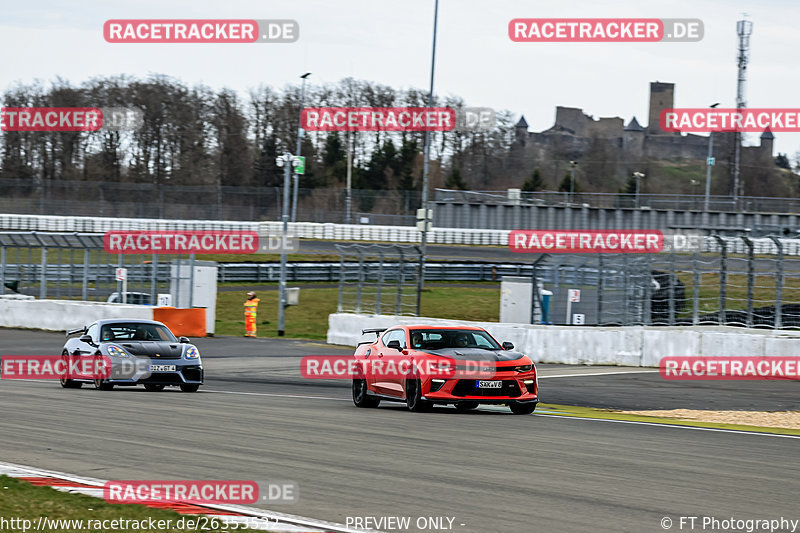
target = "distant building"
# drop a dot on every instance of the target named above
(575, 135)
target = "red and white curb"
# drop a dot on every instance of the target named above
(253, 518)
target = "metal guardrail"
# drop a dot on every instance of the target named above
(751, 204)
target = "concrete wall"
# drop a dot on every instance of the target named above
(632, 345)
(60, 315)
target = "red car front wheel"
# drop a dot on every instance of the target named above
(414, 399)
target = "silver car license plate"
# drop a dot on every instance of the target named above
(490, 384)
(162, 368)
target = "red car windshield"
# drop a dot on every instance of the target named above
(437, 339)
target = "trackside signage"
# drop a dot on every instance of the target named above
(54, 367)
(730, 368)
(195, 242)
(201, 492)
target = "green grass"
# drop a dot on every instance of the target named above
(736, 291)
(19, 499)
(309, 320)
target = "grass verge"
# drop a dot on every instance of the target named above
(21, 500)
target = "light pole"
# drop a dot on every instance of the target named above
(638, 176)
(709, 162)
(296, 178)
(572, 165)
(426, 166)
(285, 161)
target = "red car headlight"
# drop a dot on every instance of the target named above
(523, 368)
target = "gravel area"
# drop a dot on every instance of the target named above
(773, 419)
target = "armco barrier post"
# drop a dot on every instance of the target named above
(191, 280)
(2, 269)
(723, 276)
(750, 279)
(360, 281)
(673, 280)
(153, 279)
(778, 284)
(380, 284)
(341, 281)
(696, 291)
(400, 279)
(85, 280)
(599, 289)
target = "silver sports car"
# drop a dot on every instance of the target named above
(140, 352)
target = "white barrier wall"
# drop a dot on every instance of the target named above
(629, 345)
(61, 315)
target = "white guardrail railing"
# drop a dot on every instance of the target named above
(330, 231)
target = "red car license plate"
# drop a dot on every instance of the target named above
(490, 384)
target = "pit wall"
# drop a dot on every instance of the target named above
(627, 345)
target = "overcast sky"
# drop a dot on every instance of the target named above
(389, 41)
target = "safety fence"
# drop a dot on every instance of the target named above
(731, 281)
(390, 285)
(74, 266)
(345, 232)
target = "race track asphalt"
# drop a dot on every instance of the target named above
(492, 471)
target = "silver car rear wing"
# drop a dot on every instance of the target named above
(74, 331)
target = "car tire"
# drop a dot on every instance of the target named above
(524, 408)
(69, 383)
(360, 396)
(101, 384)
(466, 406)
(190, 387)
(414, 399)
(153, 387)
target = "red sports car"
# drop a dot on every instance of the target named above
(427, 365)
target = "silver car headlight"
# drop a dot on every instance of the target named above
(192, 353)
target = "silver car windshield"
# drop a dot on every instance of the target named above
(131, 331)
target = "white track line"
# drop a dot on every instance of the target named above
(600, 374)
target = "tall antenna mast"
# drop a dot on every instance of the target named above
(743, 28)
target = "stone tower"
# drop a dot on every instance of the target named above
(662, 96)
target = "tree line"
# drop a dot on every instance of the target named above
(194, 135)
